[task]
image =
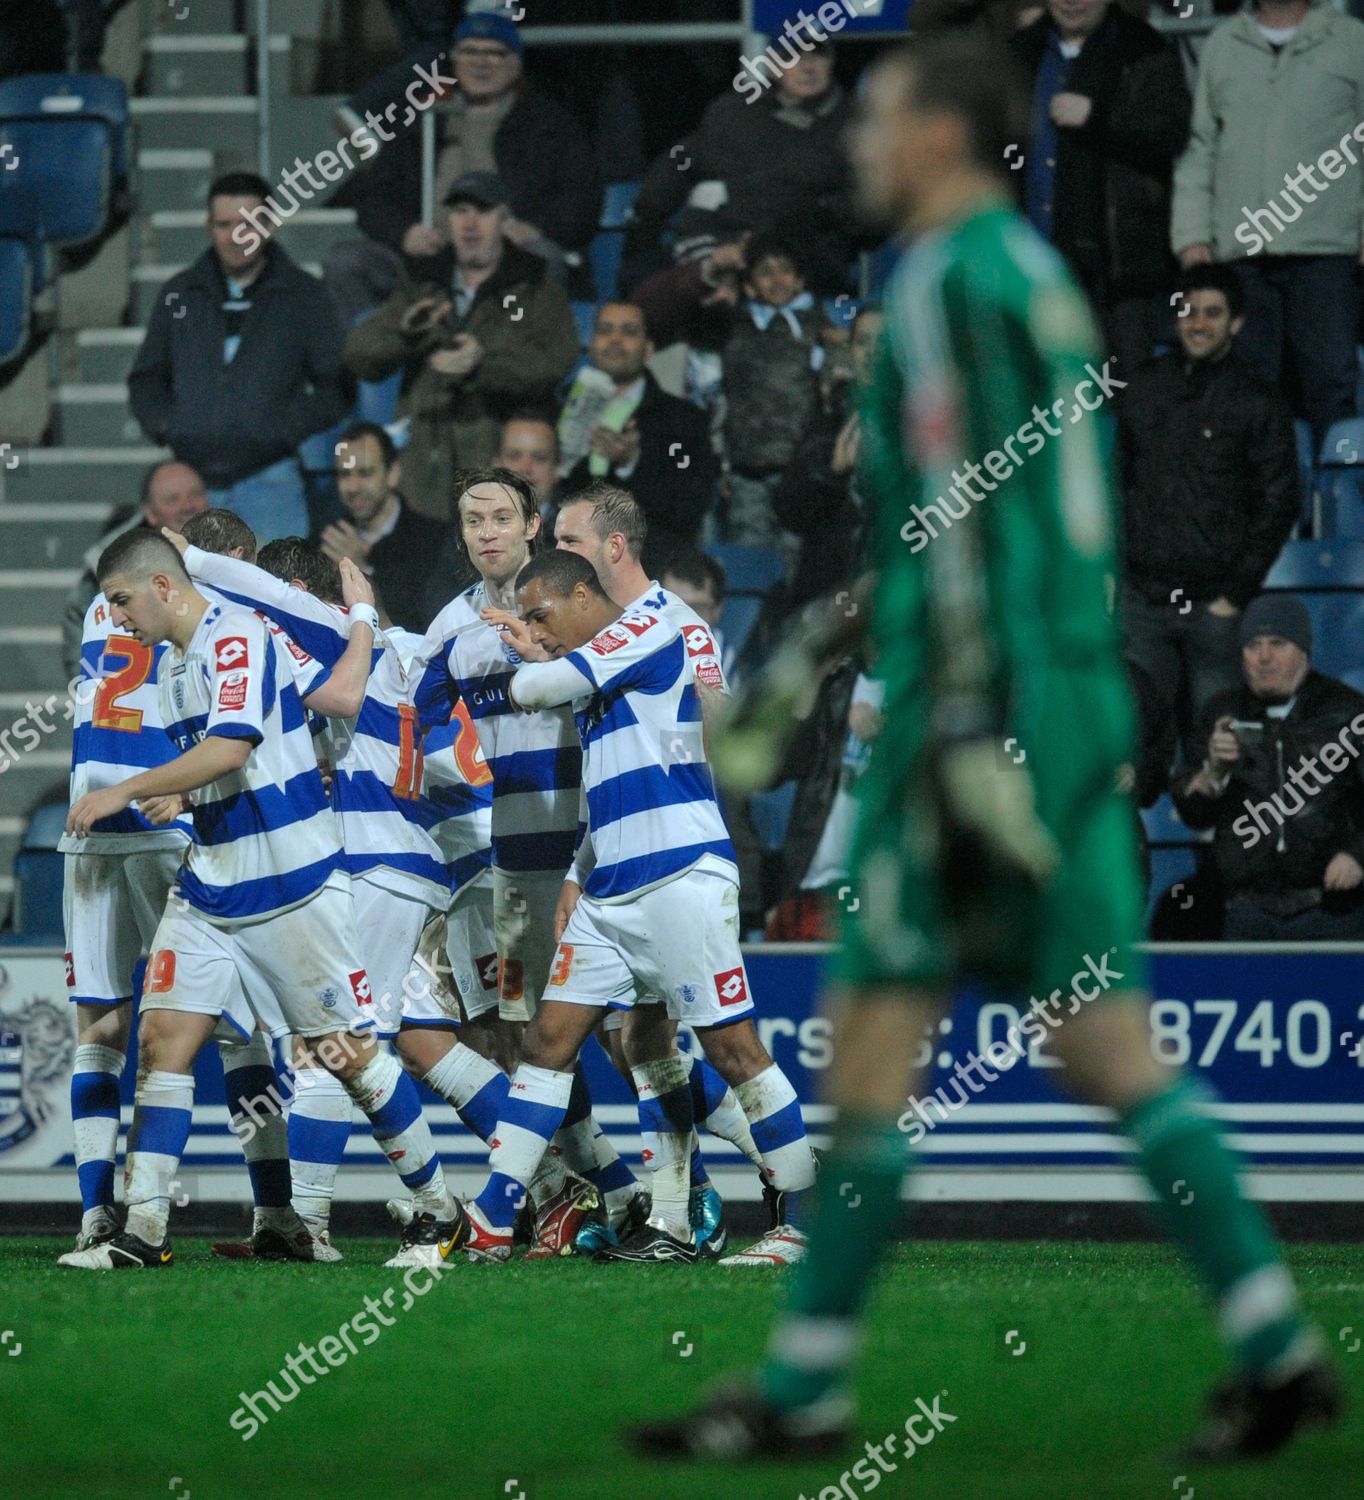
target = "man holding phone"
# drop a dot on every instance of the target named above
(490, 331)
(1282, 787)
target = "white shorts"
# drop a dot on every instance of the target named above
(471, 947)
(297, 972)
(523, 919)
(429, 997)
(679, 941)
(388, 928)
(111, 904)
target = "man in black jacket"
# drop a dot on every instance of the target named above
(1211, 489)
(397, 549)
(496, 122)
(1282, 787)
(241, 363)
(1110, 115)
(652, 444)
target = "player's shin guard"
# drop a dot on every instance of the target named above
(256, 1111)
(319, 1127)
(856, 1214)
(94, 1120)
(665, 1123)
(773, 1113)
(389, 1097)
(1193, 1175)
(536, 1102)
(587, 1151)
(717, 1107)
(156, 1142)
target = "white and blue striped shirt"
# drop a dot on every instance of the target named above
(264, 838)
(535, 759)
(652, 812)
(118, 732)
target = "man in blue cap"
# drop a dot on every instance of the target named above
(1282, 787)
(488, 120)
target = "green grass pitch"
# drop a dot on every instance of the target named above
(514, 1381)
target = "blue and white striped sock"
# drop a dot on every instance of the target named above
(254, 1107)
(534, 1110)
(156, 1142)
(389, 1097)
(319, 1127)
(773, 1113)
(718, 1109)
(476, 1087)
(665, 1123)
(94, 1120)
(586, 1149)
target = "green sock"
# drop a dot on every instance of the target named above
(856, 1214)
(1225, 1235)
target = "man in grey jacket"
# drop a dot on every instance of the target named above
(1273, 182)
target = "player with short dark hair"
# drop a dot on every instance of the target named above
(969, 862)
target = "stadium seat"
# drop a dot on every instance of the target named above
(1340, 478)
(1307, 475)
(1164, 825)
(585, 316)
(749, 570)
(1337, 631)
(72, 96)
(60, 190)
(604, 253)
(1318, 565)
(16, 298)
(770, 813)
(1170, 865)
(737, 620)
(38, 871)
(377, 400)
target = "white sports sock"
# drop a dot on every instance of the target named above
(319, 1126)
(725, 1119)
(665, 1122)
(160, 1128)
(769, 1103)
(389, 1098)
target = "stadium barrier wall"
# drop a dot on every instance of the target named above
(1275, 1030)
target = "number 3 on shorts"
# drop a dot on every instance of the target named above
(563, 962)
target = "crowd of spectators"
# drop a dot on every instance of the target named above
(717, 383)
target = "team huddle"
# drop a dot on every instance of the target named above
(480, 845)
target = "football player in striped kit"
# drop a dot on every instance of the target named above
(655, 913)
(261, 906)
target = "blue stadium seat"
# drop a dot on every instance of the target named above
(1318, 565)
(72, 96)
(60, 191)
(377, 400)
(1307, 471)
(1337, 631)
(1164, 825)
(737, 620)
(771, 812)
(38, 871)
(604, 253)
(16, 298)
(1169, 866)
(1340, 478)
(585, 316)
(749, 570)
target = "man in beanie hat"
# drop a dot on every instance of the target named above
(1282, 787)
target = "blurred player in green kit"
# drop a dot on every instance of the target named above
(992, 843)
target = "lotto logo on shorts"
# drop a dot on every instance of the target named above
(487, 970)
(232, 692)
(731, 986)
(359, 987)
(230, 652)
(70, 972)
(698, 641)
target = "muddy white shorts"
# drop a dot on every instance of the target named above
(111, 904)
(297, 972)
(679, 941)
(523, 920)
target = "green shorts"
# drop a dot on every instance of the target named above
(930, 906)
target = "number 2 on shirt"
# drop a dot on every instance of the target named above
(108, 712)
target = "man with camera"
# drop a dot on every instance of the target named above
(1282, 788)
